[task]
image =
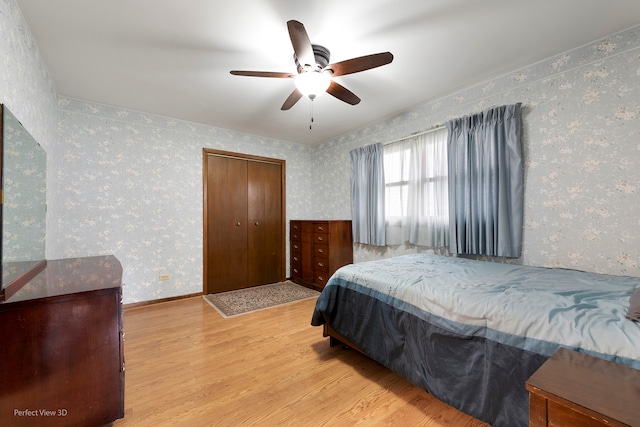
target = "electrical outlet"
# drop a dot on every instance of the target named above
(165, 277)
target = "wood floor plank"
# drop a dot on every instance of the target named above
(187, 365)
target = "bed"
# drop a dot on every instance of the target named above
(472, 332)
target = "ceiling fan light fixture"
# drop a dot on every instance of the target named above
(312, 83)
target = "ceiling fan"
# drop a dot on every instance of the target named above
(314, 71)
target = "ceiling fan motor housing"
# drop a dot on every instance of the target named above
(321, 55)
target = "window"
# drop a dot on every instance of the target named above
(416, 190)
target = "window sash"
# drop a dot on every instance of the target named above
(427, 216)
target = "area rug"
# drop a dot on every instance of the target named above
(249, 300)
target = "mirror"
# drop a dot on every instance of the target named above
(23, 167)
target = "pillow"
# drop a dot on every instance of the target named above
(634, 306)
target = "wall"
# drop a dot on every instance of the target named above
(582, 153)
(27, 90)
(130, 184)
(122, 182)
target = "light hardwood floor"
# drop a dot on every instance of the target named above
(186, 365)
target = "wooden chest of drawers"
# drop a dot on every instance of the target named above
(318, 249)
(62, 346)
(575, 389)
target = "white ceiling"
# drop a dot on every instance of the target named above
(173, 58)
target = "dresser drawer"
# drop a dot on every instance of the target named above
(320, 250)
(319, 238)
(320, 278)
(296, 258)
(320, 264)
(300, 236)
(560, 415)
(321, 228)
(296, 270)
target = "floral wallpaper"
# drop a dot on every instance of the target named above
(28, 92)
(127, 183)
(582, 152)
(130, 184)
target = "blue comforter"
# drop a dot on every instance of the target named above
(471, 332)
(529, 307)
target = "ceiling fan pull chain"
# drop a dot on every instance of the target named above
(311, 116)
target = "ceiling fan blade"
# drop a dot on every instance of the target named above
(362, 63)
(301, 43)
(273, 74)
(342, 93)
(292, 99)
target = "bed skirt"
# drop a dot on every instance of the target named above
(476, 375)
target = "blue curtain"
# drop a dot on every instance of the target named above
(367, 195)
(486, 183)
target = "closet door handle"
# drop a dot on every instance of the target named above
(237, 224)
(256, 223)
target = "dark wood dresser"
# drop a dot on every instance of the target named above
(318, 249)
(62, 346)
(574, 389)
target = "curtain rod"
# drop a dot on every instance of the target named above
(433, 129)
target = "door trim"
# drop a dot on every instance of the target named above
(205, 226)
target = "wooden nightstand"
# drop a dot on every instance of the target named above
(574, 389)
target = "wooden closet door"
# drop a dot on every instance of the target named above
(244, 220)
(265, 257)
(227, 207)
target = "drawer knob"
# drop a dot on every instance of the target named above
(320, 251)
(320, 239)
(320, 264)
(295, 258)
